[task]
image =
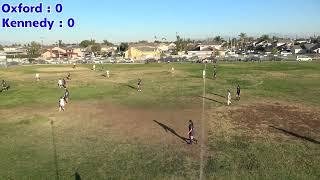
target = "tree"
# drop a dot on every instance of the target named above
(96, 48)
(179, 43)
(1, 48)
(218, 39)
(106, 42)
(275, 38)
(243, 38)
(123, 47)
(274, 50)
(265, 37)
(60, 43)
(33, 49)
(143, 41)
(182, 44)
(87, 43)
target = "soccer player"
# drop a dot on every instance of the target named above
(108, 74)
(139, 85)
(94, 67)
(214, 72)
(66, 95)
(64, 83)
(61, 104)
(4, 86)
(37, 76)
(191, 132)
(238, 92)
(172, 70)
(229, 97)
(69, 76)
(60, 83)
(74, 65)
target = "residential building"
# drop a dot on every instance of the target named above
(312, 48)
(107, 49)
(142, 53)
(297, 49)
(201, 52)
(3, 59)
(15, 50)
(57, 52)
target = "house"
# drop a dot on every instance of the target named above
(107, 49)
(142, 52)
(283, 44)
(200, 52)
(57, 52)
(3, 59)
(164, 47)
(317, 50)
(312, 48)
(172, 46)
(15, 50)
(297, 49)
(54, 52)
(48, 55)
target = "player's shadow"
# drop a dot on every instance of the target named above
(296, 135)
(218, 95)
(211, 99)
(130, 86)
(77, 176)
(168, 129)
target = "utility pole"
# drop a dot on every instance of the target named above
(58, 51)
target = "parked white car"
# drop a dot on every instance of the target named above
(285, 53)
(303, 58)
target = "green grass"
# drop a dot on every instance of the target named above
(27, 150)
(241, 158)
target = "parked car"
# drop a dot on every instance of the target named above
(129, 61)
(303, 58)
(285, 53)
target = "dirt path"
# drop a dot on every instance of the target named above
(123, 124)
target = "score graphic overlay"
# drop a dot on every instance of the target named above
(23, 10)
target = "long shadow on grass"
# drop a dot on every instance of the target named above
(130, 86)
(54, 151)
(211, 99)
(218, 95)
(77, 176)
(296, 135)
(167, 128)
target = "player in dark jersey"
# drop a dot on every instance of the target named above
(214, 72)
(191, 133)
(4, 86)
(238, 92)
(69, 76)
(64, 83)
(139, 85)
(66, 95)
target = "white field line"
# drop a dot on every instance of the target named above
(203, 146)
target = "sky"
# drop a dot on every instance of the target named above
(127, 20)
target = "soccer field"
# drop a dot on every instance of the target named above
(109, 130)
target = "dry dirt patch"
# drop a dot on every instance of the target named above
(276, 119)
(60, 69)
(101, 121)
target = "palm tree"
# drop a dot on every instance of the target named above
(218, 39)
(243, 38)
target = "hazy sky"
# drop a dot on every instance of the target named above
(128, 20)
